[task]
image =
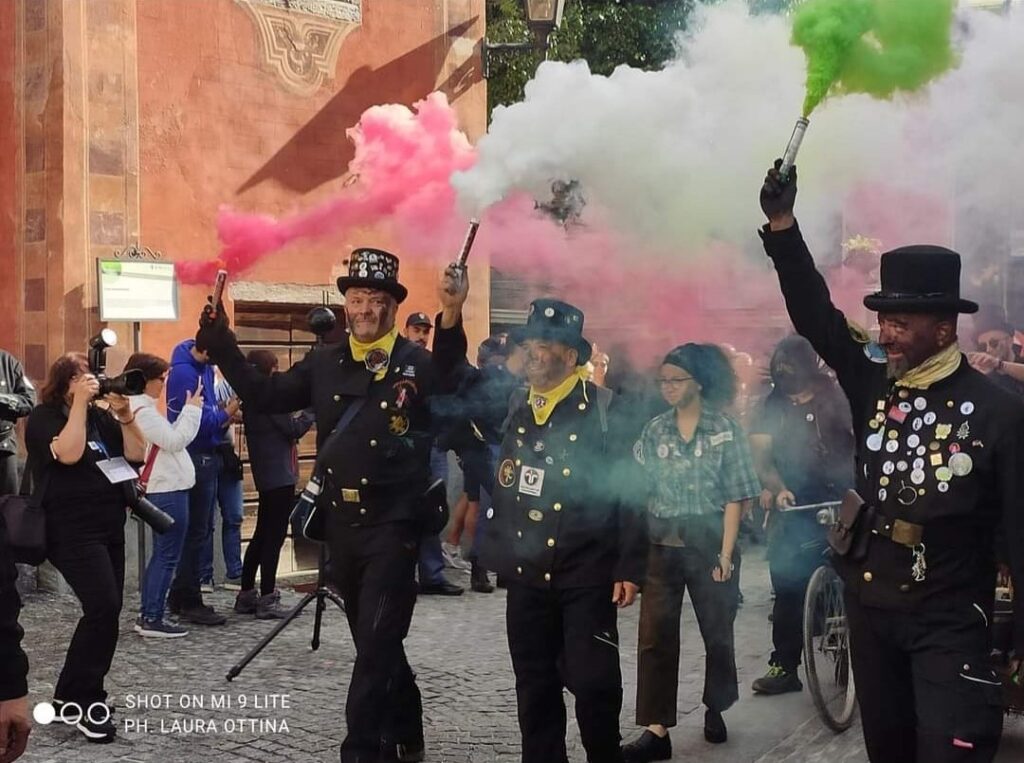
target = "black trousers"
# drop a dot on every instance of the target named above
(264, 550)
(925, 686)
(565, 638)
(375, 572)
(792, 559)
(670, 573)
(91, 559)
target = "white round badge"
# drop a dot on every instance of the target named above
(921, 450)
(902, 466)
(663, 451)
(961, 464)
(919, 463)
(882, 494)
(967, 408)
(929, 418)
(892, 446)
(888, 467)
(490, 513)
(943, 487)
(917, 476)
(905, 407)
(874, 442)
(920, 403)
(913, 441)
(810, 417)
(917, 424)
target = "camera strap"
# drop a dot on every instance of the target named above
(147, 469)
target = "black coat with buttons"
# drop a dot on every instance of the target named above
(378, 468)
(948, 457)
(563, 515)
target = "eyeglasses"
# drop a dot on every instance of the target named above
(674, 382)
(995, 343)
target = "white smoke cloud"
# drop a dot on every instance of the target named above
(675, 157)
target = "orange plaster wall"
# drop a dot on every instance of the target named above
(10, 142)
(216, 127)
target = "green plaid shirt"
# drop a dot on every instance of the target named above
(697, 477)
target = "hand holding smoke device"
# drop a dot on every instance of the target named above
(218, 292)
(789, 157)
(467, 246)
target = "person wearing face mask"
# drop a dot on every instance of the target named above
(802, 441)
(561, 530)
(938, 474)
(369, 396)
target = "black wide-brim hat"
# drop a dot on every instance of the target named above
(555, 321)
(373, 269)
(920, 279)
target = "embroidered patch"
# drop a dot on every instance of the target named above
(721, 437)
(403, 391)
(507, 473)
(398, 424)
(377, 360)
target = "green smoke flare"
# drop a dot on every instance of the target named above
(872, 46)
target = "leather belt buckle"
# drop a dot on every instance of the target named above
(349, 495)
(906, 533)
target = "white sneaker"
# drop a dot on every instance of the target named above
(452, 556)
(207, 587)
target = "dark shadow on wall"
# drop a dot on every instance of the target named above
(320, 151)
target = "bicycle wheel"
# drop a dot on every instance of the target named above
(827, 650)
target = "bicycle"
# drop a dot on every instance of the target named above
(826, 660)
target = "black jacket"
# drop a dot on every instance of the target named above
(379, 466)
(906, 442)
(17, 398)
(561, 515)
(13, 662)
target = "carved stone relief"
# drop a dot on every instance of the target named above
(301, 39)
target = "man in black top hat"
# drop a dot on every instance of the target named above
(939, 449)
(374, 390)
(559, 532)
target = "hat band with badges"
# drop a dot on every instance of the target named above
(373, 269)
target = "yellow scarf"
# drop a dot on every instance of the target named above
(937, 367)
(361, 349)
(543, 404)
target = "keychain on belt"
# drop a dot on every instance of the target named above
(919, 567)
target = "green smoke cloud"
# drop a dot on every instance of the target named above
(872, 46)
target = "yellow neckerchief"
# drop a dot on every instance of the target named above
(543, 404)
(937, 367)
(361, 349)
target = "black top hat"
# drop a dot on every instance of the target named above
(920, 279)
(373, 269)
(419, 319)
(557, 321)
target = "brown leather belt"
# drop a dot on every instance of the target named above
(898, 531)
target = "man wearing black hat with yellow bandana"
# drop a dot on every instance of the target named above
(373, 389)
(559, 532)
(938, 468)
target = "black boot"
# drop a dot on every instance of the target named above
(714, 727)
(478, 580)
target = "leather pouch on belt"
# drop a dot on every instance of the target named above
(848, 537)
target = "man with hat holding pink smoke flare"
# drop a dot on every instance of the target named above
(369, 395)
(938, 470)
(561, 530)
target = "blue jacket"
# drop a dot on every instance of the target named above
(183, 378)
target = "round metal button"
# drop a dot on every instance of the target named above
(904, 588)
(337, 398)
(868, 577)
(551, 542)
(547, 577)
(519, 533)
(566, 472)
(362, 511)
(373, 443)
(364, 481)
(573, 438)
(557, 507)
(519, 570)
(383, 404)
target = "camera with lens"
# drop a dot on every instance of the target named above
(129, 383)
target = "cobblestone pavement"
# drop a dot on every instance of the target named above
(166, 691)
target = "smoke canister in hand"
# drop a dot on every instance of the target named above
(789, 157)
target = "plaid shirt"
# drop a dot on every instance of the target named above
(697, 477)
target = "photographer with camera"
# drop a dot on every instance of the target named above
(17, 398)
(168, 475)
(77, 451)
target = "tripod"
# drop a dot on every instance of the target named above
(321, 322)
(320, 596)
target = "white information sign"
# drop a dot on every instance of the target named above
(137, 291)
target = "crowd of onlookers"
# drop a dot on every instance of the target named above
(780, 414)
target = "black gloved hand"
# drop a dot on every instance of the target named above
(215, 334)
(778, 195)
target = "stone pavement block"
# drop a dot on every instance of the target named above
(459, 651)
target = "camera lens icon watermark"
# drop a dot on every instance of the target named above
(71, 713)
